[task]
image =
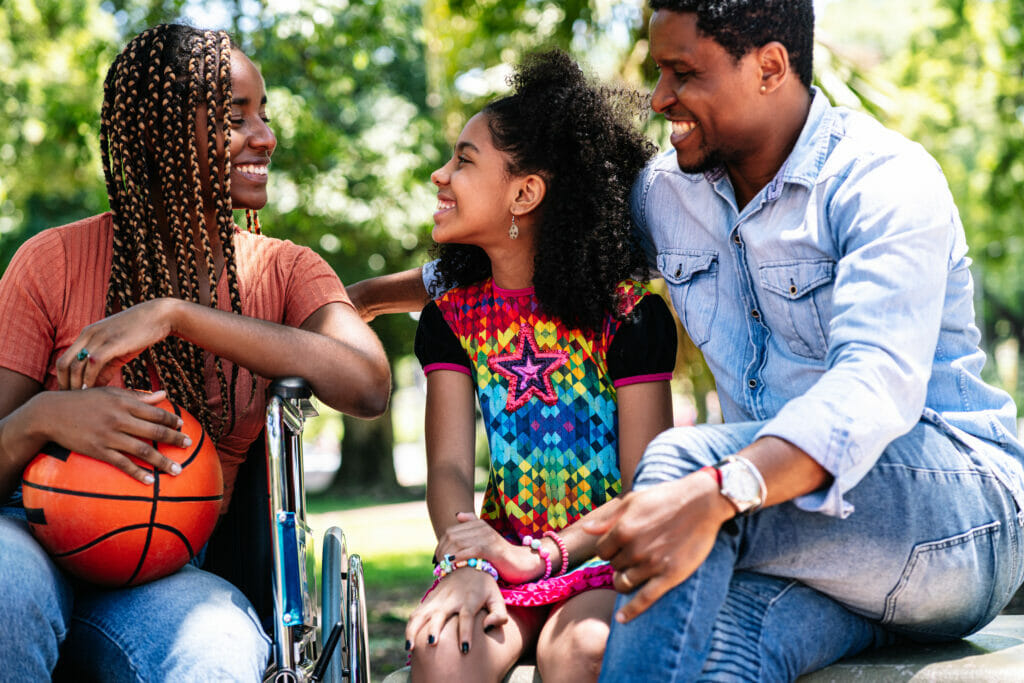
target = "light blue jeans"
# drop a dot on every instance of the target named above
(190, 626)
(932, 552)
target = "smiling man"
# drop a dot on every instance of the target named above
(867, 482)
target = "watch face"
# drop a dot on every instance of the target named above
(740, 486)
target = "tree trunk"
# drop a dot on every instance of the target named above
(367, 463)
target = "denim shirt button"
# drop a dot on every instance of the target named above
(737, 240)
(756, 314)
(752, 383)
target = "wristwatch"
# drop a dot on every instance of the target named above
(741, 483)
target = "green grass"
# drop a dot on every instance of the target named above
(408, 572)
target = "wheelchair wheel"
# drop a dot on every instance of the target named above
(333, 596)
(357, 635)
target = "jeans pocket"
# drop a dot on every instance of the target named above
(945, 590)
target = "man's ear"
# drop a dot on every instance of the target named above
(773, 60)
(529, 194)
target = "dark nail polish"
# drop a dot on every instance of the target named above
(407, 645)
(430, 640)
(465, 648)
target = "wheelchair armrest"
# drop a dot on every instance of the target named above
(290, 388)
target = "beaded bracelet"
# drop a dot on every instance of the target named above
(561, 549)
(446, 566)
(534, 544)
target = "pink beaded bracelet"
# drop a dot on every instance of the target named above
(561, 549)
(534, 544)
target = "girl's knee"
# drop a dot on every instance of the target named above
(573, 652)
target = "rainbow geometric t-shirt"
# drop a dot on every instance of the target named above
(548, 404)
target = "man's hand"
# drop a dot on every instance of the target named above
(657, 537)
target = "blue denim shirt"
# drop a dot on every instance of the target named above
(837, 305)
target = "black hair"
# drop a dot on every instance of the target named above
(148, 143)
(585, 142)
(740, 26)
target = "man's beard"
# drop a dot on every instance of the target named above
(712, 160)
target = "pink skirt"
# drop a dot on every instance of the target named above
(588, 576)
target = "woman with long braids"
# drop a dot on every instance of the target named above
(162, 293)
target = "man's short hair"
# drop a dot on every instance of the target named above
(740, 26)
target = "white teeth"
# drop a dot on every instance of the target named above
(445, 204)
(683, 127)
(252, 169)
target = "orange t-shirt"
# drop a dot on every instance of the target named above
(57, 282)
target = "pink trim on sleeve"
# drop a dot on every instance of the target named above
(640, 379)
(446, 366)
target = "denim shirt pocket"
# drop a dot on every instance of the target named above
(798, 304)
(692, 278)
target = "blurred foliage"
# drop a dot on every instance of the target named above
(367, 95)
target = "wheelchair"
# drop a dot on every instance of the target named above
(266, 548)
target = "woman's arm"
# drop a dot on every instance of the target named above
(393, 293)
(334, 349)
(106, 422)
(450, 434)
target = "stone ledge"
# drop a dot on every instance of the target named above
(994, 654)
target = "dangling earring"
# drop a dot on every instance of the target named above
(252, 221)
(513, 231)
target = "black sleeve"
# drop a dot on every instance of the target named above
(436, 343)
(644, 347)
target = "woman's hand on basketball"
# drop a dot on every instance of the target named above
(657, 537)
(461, 595)
(473, 537)
(95, 358)
(109, 424)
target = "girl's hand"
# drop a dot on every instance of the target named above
(108, 423)
(460, 595)
(473, 537)
(95, 358)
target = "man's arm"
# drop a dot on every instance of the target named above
(402, 292)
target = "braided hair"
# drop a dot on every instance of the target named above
(151, 95)
(584, 141)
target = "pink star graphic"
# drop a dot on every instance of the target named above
(528, 371)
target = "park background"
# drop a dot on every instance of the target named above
(366, 98)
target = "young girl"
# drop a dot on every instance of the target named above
(161, 293)
(570, 361)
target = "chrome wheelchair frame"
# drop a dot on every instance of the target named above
(317, 634)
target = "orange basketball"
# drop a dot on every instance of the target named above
(108, 528)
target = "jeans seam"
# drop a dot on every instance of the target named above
(102, 629)
(918, 551)
(678, 653)
(761, 629)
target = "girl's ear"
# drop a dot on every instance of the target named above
(529, 195)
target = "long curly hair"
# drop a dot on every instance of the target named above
(585, 142)
(740, 26)
(151, 94)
